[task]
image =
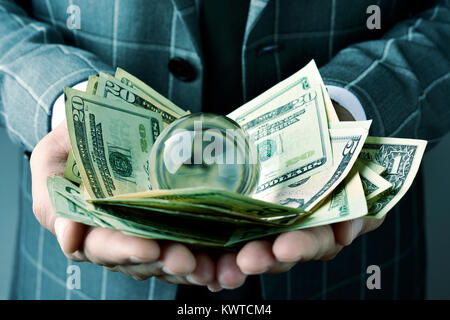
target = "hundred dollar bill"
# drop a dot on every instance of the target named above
(111, 88)
(401, 158)
(289, 128)
(374, 185)
(137, 84)
(111, 143)
(306, 194)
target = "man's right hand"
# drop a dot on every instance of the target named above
(137, 257)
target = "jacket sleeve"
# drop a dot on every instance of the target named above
(402, 79)
(35, 65)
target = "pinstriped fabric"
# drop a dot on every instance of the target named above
(255, 10)
(40, 263)
(402, 94)
(50, 12)
(332, 22)
(276, 55)
(362, 291)
(115, 29)
(173, 31)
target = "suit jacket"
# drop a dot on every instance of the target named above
(400, 73)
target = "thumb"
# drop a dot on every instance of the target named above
(70, 235)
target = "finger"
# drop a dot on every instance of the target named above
(204, 272)
(346, 232)
(48, 158)
(69, 234)
(214, 286)
(229, 275)
(177, 259)
(140, 271)
(173, 279)
(256, 257)
(110, 247)
(304, 245)
(280, 267)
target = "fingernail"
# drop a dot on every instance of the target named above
(165, 270)
(135, 260)
(192, 280)
(357, 225)
(60, 227)
(258, 272)
(214, 288)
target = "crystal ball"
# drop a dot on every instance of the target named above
(204, 150)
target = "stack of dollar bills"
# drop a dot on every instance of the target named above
(315, 170)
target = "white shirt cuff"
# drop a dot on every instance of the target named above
(59, 110)
(348, 100)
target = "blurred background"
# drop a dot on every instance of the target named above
(437, 174)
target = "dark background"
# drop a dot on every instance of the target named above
(437, 174)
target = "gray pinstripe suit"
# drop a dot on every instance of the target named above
(401, 75)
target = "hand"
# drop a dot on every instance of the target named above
(137, 257)
(290, 248)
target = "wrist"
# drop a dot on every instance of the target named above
(342, 113)
(347, 103)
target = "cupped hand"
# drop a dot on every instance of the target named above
(137, 257)
(290, 248)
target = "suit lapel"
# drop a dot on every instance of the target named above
(255, 10)
(188, 14)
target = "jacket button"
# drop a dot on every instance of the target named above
(181, 69)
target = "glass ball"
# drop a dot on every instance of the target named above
(204, 150)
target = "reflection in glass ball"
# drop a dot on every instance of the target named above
(204, 150)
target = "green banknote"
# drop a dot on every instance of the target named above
(158, 99)
(230, 201)
(374, 185)
(309, 192)
(143, 222)
(375, 167)
(113, 89)
(111, 143)
(401, 158)
(206, 211)
(289, 128)
(71, 172)
(92, 85)
(347, 202)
